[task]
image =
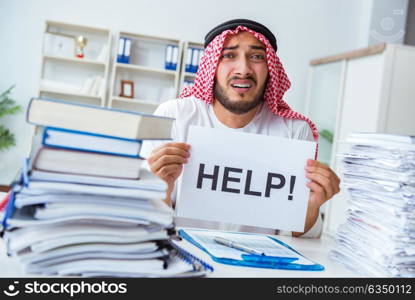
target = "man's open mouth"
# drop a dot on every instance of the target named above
(241, 87)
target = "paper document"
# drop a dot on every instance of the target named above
(259, 242)
(276, 254)
(246, 179)
(378, 237)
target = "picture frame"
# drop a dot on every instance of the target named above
(127, 89)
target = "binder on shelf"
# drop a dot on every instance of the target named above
(172, 52)
(195, 59)
(175, 57)
(127, 50)
(194, 56)
(120, 53)
(168, 59)
(124, 50)
(189, 60)
(278, 255)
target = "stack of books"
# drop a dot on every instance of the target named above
(83, 206)
(378, 238)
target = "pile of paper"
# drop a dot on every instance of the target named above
(378, 238)
(76, 222)
(57, 222)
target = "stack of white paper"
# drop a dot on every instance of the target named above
(378, 238)
(64, 226)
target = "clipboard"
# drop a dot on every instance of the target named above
(279, 255)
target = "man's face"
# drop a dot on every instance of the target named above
(242, 73)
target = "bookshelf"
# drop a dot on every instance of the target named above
(152, 82)
(95, 78)
(187, 73)
(70, 74)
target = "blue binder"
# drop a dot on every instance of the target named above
(21, 181)
(120, 54)
(258, 261)
(189, 60)
(124, 50)
(175, 55)
(168, 59)
(171, 56)
(195, 60)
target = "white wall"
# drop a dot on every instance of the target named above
(305, 29)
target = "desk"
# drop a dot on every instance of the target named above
(314, 249)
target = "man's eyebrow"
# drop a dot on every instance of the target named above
(258, 47)
(230, 48)
(255, 47)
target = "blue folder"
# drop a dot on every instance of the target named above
(258, 261)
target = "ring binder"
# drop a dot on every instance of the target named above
(199, 265)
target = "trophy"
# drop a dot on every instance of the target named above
(80, 42)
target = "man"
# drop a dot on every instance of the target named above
(239, 86)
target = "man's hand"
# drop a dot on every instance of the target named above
(323, 185)
(166, 162)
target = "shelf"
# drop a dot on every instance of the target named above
(137, 101)
(149, 38)
(145, 69)
(76, 27)
(74, 59)
(52, 91)
(67, 77)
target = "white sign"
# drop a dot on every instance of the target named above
(246, 179)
